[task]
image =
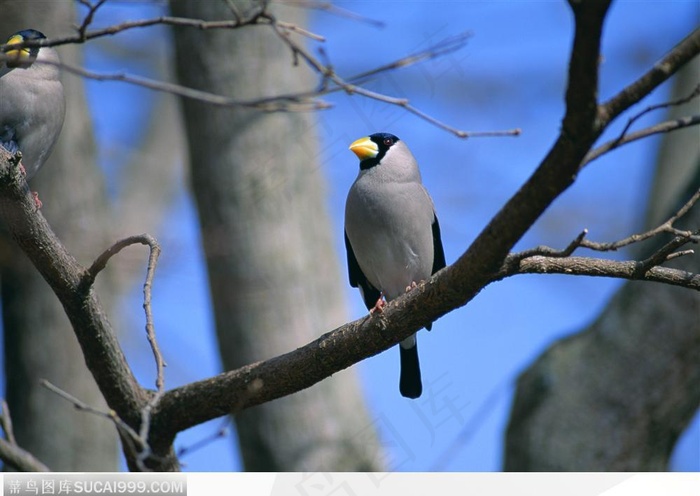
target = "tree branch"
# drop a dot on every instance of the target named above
(20, 459)
(67, 278)
(10, 452)
(450, 288)
(485, 261)
(678, 56)
(300, 102)
(663, 127)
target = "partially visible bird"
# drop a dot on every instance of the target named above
(392, 235)
(32, 104)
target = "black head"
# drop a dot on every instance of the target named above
(31, 34)
(384, 141)
(24, 55)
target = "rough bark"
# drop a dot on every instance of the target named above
(39, 340)
(617, 396)
(273, 274)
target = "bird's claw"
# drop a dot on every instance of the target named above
(412, 286)
(37, 201)
(378, 307)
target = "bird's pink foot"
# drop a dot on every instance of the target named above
(412, 286)
(22, 170)
(379, 306)
(37, 201)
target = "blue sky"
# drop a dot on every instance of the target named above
(510, 74)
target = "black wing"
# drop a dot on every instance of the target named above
(370, 294)
(438, 251)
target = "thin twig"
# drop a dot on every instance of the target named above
(150, 332)
(297, 29)
(137, 441)
(551, 252)
(666, 227)
(221, 432)
(300, 102)
(101, 262)
(110, 415)
(673, 103)
(92, 10)
(665, 253)
(253, 18)
(326, 73)
(444, 47)
(6, 423)
(683, 52)
(663, 127)
(234, 10)
(98, 265)
(334, 9)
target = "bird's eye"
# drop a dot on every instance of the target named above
(388, 141)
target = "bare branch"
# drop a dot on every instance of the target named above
(110, 415)
(221, 432)
(327, 73)
(234, 10)
(673, 103)
(663, 127)
(678, 56)
(253, 18)
(101, 262)
(20, 459)
(597, 267)
(10, 452)
(6, 422)
(444, 47)
(306, 101)
(665, 253)
(297, 29)
(92, 10)
(334, 9)
(552, 252)
(666, 227)
(145, 452)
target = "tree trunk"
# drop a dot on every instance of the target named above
(39, 341)
(273, 274)
(617, 396)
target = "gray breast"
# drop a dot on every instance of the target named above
(389, 225)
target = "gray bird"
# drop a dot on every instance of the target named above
(32, 105)
(392, 235)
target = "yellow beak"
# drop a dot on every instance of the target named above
(16, 55)
(364, 148)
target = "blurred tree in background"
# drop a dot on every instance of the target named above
(273, 271)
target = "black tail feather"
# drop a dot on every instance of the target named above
(410, 383)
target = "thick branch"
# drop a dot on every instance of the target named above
(66, 276)
(598, 267)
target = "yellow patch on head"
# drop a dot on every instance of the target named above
(16, 55)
